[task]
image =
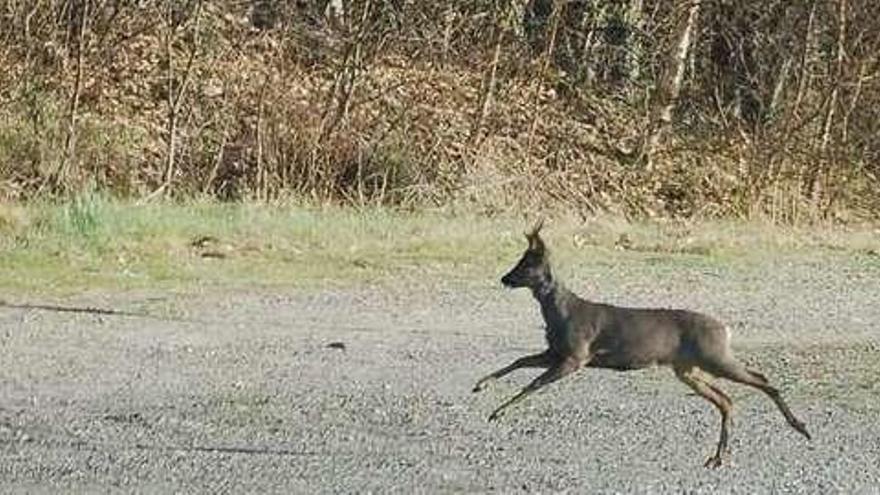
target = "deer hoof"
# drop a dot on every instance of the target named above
(481, 384)
(802, 429)
(713, 462)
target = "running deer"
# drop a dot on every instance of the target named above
(581, 334)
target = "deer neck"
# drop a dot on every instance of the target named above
(553, 298)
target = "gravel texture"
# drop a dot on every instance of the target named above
(240, 391)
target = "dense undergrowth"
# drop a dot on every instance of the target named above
(480, 107)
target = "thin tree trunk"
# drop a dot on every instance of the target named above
(779, 87)
(857, 93)
(635, 21)
(60, 177)
(448, 26)
(670, 88)
(335, 12)
(817, 186)
(545, 65)
(175, 99)
(262, 174)
(488, 87)
(345, 82)
(838, 76)
(803, 79)
(172, 113)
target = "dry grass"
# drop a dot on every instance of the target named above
(352, 118)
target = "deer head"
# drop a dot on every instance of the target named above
(533, 268)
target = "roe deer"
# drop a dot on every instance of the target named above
(582, 333)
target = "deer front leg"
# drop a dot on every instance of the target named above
(561, 369)
(541, 360)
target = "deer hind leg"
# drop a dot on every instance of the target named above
(735, 371)
(541, 360)
(557, 371)
(691, 377)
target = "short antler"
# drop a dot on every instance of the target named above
(535, 242)
(536, 228)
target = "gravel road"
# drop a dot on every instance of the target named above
(238, 391)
